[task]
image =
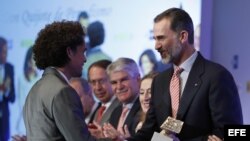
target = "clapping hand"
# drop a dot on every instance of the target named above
(110, 132)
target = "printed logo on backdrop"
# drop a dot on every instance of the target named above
(31, 18)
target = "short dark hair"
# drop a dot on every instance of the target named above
(96, 33)
(84, 15)
(3, 42)
(50, 48)
(100, 64)
(180, 20)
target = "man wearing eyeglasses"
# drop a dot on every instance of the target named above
(98, 79)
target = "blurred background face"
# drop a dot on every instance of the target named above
(3, 54)
(86, 100)
(147, 65)
(98, 79)
(31, 67)
(32, 63)
(125, 87)
(145, 94)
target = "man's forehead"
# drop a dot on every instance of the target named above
(161, 25)
(119, 74)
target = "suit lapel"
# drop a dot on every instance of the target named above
(107, 114)
(115, 116)
(192, 86)
(160, 94)
(132, 114)
(165, 88)
(93, 116)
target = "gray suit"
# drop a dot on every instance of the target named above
(107, 114)
(53, 111)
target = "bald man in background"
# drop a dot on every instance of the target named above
(84, 91)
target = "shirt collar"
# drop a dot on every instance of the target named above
(61, 73)
(109, 103)
(129, 105)
(187, 64)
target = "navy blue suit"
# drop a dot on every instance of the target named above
(4, 104)
(132, 118)
(209, 101)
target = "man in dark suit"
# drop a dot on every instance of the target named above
(208, 96)
(125, 79)
(131, 120)
(52, 109)
(99, 81)
(7, 90)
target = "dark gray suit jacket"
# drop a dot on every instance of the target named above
(53, 111)
(209, 101)
(106, 116)
(132, 118)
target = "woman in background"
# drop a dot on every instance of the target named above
(147, 62)
(24, 85)
(145, 97)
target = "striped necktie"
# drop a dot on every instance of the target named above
(175, 90)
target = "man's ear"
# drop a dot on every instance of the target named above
(183, 36)
(69, 52)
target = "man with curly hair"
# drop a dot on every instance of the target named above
(53, 109)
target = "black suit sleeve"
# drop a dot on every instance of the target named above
(224, 102)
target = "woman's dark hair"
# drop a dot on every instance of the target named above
(50, 48)
(151, 57)
(27, 68)
(150, 75)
